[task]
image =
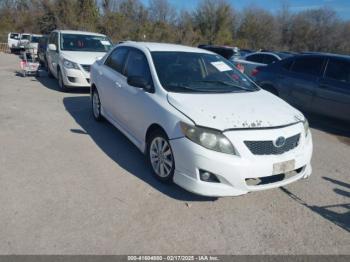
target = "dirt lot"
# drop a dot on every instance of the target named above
(69, 185)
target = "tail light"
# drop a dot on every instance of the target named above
(255, 72)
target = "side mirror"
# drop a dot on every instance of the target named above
(52, 47)
(140, 82)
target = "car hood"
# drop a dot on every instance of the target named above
(258, 109)
(83, 58)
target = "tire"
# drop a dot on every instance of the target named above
(50, 75)
(161, 161)
(96, 105)
(60, 81)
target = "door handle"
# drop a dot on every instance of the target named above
(117, 84)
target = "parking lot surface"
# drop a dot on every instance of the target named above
(70, 185)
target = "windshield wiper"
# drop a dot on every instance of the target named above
(226, 83)
(187, 88)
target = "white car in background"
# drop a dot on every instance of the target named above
(17, 41)
(12, 40)
(71, 53)
(201, 123)
(34, 42)
(23, 40)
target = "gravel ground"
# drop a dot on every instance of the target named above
(69, 185)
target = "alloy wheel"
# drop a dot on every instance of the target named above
(96, 105)
(161, 157)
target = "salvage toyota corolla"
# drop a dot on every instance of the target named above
(201, 123)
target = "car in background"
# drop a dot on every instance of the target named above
(12, 41)
(228, 52)
(318, 83)
(201, 123)
(23, 41)
(42, 46)
(70, 55)
(34, 43)
(249, 63)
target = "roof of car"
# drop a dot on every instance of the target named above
(324, 54)
(165, 47)
(78, 32)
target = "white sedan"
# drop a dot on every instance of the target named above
(201, 123)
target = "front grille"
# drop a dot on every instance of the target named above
(86, 67)
(268, 147)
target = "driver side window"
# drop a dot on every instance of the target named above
(116, 59)
(137, 65)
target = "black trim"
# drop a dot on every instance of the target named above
(261, 128)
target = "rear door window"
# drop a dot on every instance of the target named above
(308, 65)
(116, 59)
(338, 70)
(269, 59)
(257, 58)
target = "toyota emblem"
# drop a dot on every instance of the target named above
(279, 142)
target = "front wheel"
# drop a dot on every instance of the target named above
(160, 157)
(96, 105)
(49, 74)
(60, 81)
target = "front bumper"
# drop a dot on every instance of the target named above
(75, 77)
(232, 171)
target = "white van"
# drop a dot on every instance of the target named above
(12, 40)
(70, 55)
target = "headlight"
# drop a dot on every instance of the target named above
(306, 127)
(208, 138)
(70, 64)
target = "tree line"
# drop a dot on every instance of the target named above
(211, 22)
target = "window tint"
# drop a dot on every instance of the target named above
(269, 59)
(85, 43)
(198, 73)
(25, 37)
(137, 65)
(54, 39)
(116, 59)
(338, 70)
(308, 65)
(258, 58)
(14, 36)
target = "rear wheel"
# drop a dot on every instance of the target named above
(160, 156)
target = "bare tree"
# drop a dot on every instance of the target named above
(258, 28)
(161, 11)
(214, 19)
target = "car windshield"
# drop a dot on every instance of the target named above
(25, 37)
(14, 36)
(199, 73)
(35, 39)
(87, 43)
